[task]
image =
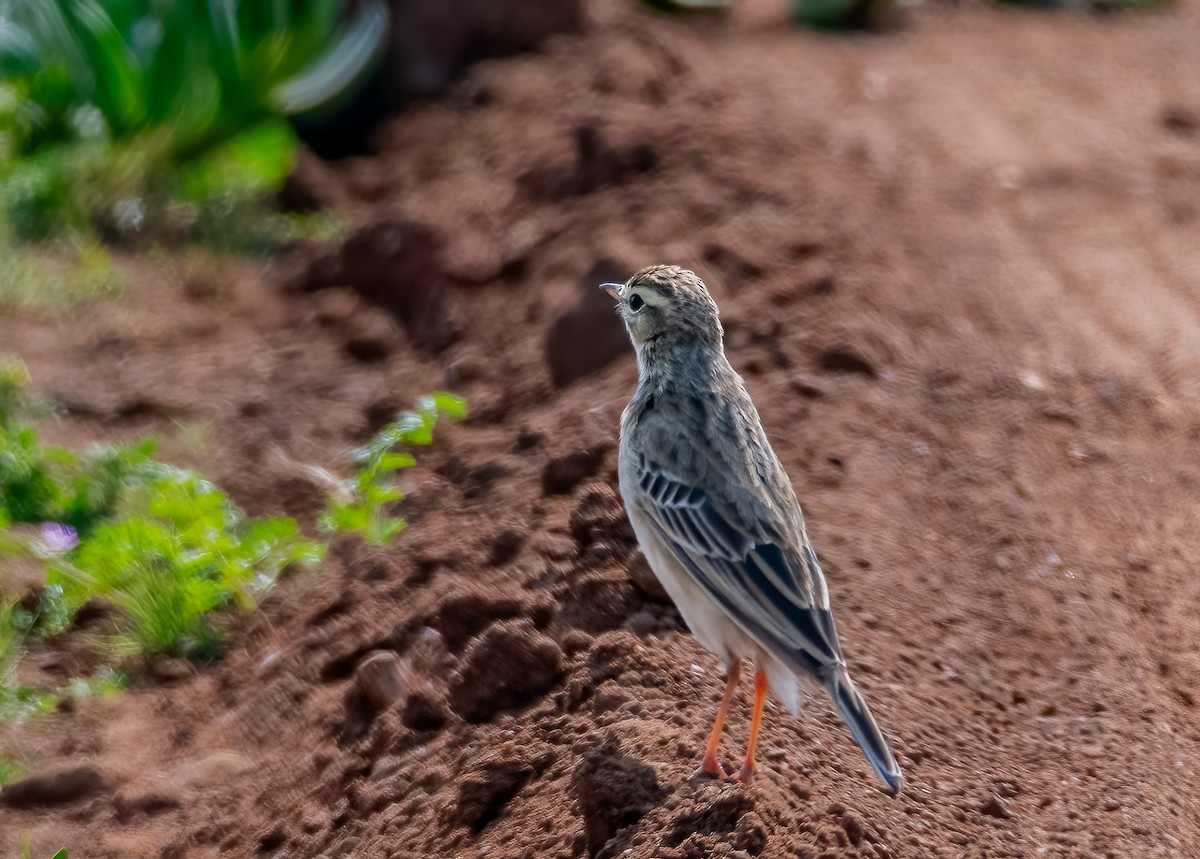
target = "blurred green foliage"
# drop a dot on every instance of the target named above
(361, 507)
(47, 483)
(10, 770)
(197, 72)
(164, 120)
(160, 544)
(178, 551)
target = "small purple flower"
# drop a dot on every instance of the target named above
(58, 539)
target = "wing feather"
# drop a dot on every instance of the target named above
(773, 591)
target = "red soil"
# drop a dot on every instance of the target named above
(958, 267)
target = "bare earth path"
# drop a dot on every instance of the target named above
(960, 269)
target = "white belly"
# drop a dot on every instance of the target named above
(709, 623)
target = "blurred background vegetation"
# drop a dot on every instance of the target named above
(137, 122)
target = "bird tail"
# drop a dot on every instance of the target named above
(854, 712)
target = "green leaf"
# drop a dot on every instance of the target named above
(344, 62)
(396, 461)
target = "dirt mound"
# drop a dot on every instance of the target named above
(957, 268)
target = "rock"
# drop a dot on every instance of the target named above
(564, 473)
(379, 680)
(588, 337)
(612, 791)
(57, 786)
(507, 666)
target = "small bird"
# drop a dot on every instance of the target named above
(718, 520)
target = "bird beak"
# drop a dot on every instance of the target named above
(613, 289)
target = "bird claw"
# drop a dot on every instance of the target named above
(745, 776)
(710, 769)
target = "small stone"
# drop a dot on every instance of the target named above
(54, 787)
(379, 679)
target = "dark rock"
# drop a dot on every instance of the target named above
(507, 666)
(612, 791)
(54, 787)
(589, 336)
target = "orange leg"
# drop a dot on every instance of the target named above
(760, 700)
(710, 767)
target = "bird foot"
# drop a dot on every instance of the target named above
(744, 776)
(710, 769)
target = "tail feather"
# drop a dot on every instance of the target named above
(855, 713)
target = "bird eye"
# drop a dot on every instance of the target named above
(636, 302)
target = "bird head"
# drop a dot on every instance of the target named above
(664, 306)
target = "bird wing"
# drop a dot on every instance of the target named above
(746, 562)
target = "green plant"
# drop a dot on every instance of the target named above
(195, 71)
(42, 483)
(177, 551)
(10, 769)
(361, 507)
(164, 546)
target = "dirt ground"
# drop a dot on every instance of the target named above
(958, 266)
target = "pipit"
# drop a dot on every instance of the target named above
(718, 520)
